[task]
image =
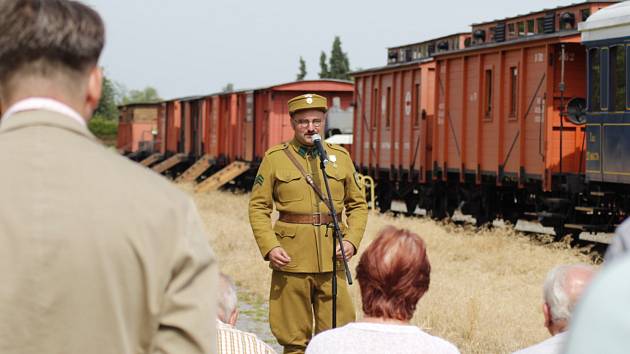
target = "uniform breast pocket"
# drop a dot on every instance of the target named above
(336, 181)
(289, 186)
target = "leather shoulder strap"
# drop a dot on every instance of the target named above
(309, 178)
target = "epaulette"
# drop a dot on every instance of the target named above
(275, 148)
(338, 148)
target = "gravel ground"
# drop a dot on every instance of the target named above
(253, 318)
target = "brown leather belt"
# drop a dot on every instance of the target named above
(313, 219)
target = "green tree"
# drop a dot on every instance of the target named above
(228, 88)
(302, 74)
(339, 64)
(107, 106)
(148, 94)
(323, 67)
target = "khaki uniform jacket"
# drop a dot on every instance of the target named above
(278, 180)
(98, 255)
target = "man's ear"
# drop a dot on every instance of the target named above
(233, 318)
(94, 90)
(547, 314)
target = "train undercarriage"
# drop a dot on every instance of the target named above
(584, 210)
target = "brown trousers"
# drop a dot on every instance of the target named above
(299, 300)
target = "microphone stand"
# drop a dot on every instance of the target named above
(336, 238)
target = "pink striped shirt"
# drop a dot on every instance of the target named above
(233, 341)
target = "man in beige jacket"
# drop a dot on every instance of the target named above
(98, 255)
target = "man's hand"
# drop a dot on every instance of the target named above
(278, 257)
(348, 250)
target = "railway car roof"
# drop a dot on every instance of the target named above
(140, 104)
(607, 23)
(431, 40)
(192, 98)
(546, 10)
(393, 66)
(522, 40)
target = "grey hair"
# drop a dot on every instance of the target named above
(555, 291)
(227, 297)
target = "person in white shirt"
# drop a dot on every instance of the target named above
(393, 274)
(229, 339)
(562, 290)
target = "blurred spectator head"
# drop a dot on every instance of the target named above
(50, 48)
(393, 274)
(227, 310)
(620, 244)
(562, 290)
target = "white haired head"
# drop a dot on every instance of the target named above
(227, 298)
(563, 287)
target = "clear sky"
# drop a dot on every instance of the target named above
(186, 47)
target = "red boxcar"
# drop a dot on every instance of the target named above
(240, 125)
(394, 115)
(137, 127)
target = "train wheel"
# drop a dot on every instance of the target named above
(384, 195)
(411, 201)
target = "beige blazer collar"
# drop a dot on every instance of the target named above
(34, 118)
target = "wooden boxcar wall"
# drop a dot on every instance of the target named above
(272, 121)
(393, 120)
(136, 124)
(172, 132)
(499, 111)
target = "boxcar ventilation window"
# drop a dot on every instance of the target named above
(530, 27)
(389, 108)
(416, 98)
(375, 100)
(595, 78)
(540, 25)
(513, 90)
(488, 94)
(618, 77)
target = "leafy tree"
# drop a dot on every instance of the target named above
(339, 64)
(107, 106)
(302, 74)
(228, 88)
(323, 67)
(148, 94)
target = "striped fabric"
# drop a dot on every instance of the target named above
(232, 341)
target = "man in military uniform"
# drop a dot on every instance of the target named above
(300, 245)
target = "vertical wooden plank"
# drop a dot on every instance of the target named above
(365, 121)
(464, 120)
(436, 131)
(446, 121)
(480, 103)
(401, 120)
(390, 115)
(522, 84)
(372, 123)
(500, 96)
(412, 129)
(379, 127)
(549, 116)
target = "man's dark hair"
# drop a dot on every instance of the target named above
(41, 37)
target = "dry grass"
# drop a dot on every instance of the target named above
(485, 292)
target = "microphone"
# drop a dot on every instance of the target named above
(320, 148)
